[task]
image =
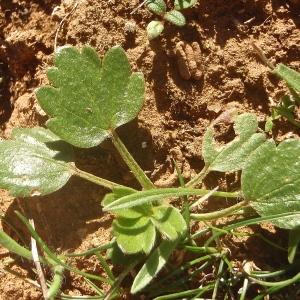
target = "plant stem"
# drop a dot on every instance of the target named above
(149, 196)
(221, 213)
(217, 283)
(130, 162)
(199, 177)
(278, 283)
(97, 180)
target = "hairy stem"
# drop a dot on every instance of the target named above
(198, 178)
(139, 174)
(221, 213)
(97, 180)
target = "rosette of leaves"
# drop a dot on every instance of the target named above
(159, 7)
(136, 228)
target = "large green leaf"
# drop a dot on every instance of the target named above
(134, 235)
(88, 99)
(153, 265)
(35, 162)
(169, 222)
(233, 155)
(271, 180)
(291, 76)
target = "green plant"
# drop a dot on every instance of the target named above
(289, 102)
(87, 101)
(159, 7)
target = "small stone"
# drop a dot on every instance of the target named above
(130, 28)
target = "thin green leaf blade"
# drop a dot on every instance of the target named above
(289, 75)
(153, 265)
(11, 245)
(169, 222)
(270, 180)
(35, 162)
(87, 99)
(233, 155)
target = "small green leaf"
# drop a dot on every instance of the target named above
(117, 257)
(269, 124)
(291, 76)
(294, 240)
(183, 4)
(89, 99)
(153, 265)
(154, 29)
(35, 162)
(286, 109)
(270, 180)
(175, 17)
(233, 155)
(130, 213)
(134, 235)
(169, 222)
(157, 6)
(11, 245)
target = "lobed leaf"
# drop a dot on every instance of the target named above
(117, 257)
(88, 99)
(233, 155)
(169, 221)
(134, 235)
(183, 4)
(270, 180)
(153, 265)
(35, 162)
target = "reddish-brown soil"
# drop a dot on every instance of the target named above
(172, 121)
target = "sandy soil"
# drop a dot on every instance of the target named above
(176, 111)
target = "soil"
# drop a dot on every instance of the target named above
(176, 112)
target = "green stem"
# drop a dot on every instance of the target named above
(130, 162)
(221, 213)
(97, 180)
(53, 257)
(217, 283)
(93, 250)
(199, 177)
(278, 283)
(119, 280)
(56, 282)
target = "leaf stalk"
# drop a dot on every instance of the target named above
(221, 213)
(137, 171)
